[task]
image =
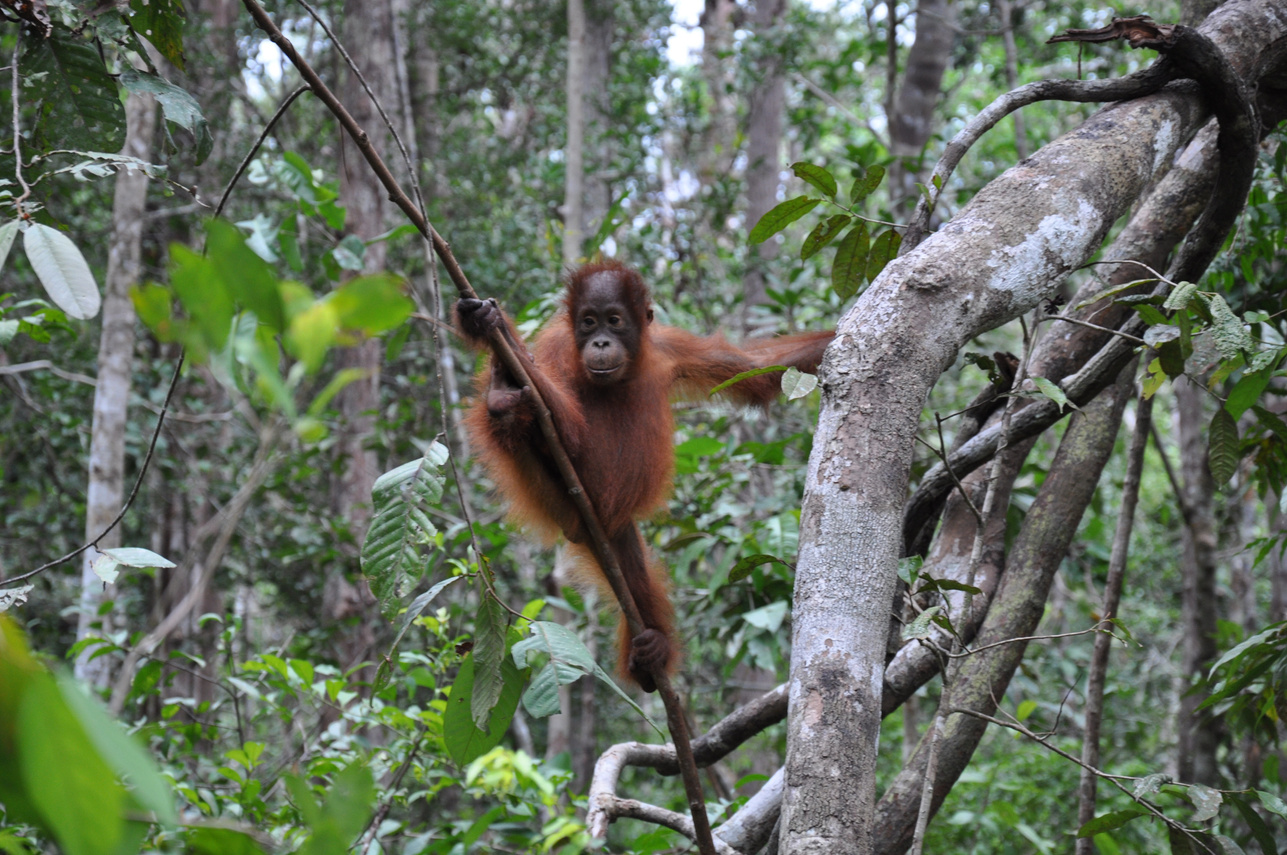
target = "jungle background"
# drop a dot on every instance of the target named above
(286, 702)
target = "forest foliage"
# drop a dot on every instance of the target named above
(383, 678)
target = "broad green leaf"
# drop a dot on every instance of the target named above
(136, 556)
(742, 569)
(1171, 356)
(817, 176)
(244, 274)
(1156, 335)
(1111, 820)
(920, 626)
(400, 527)
(566, 661)
(1206, 802)
(781, 216)
(7, 233)
(1257, 825)
(1231, 338)
(1180, 296)
(883, 249)
(161, 23)
(850, 264)
(311, 334)
(1272, 803)
(80, 105)
(1247, 391)
(122, 752)
(489, 650)
(1272, 422)
(1048, 389)
(177, 106)
(823, 233)
(797, 383)
(768, 618)
(62, 271)
(866, 183)
(372, 304)
(1222, 447)
(78, 798)
(205, 296)
(464, 740)
(217, 840)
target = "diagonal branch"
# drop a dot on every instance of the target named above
(598, 538)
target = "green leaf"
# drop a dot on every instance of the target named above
(78, 798)
(372, 304)
(1048, 389)
(754, 372)
(850, 265)
(1170, 356)
(866, 183)
(244, 274)
(135, 556)
(920, 627)
(161, 23)
(215, 840)
(62, 271)
(742, 569)
(1222, 447)
(463, 739)
(817, 176)
(1147, 311)
(489, 650)
(205, 296)
(823, 233)
(1231, 338)
(1271, 421)
(400, 527)
(1247, 391)
(122, 752)
(1180, 296)
(1109, 821)
(781, 216)
(1257, 825)
(177, 106)
(797, 383)
(7, 233)
(566, 661)
(883, 250)
(1206, 802)
(80, 107)
(311, 334)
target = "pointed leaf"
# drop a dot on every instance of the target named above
(489, 650)
(81, 104)
(464, 740)
(781, 216)
(797, 383)
(883, 249)
(850, 265)
(1231, 338)
(866, 183)
(817, 176)
(62, 270)
(401, 528)
(1222, 447)
(177, 105)
(823, 233)
(7, 233)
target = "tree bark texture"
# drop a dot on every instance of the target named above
(574, 151)
(368, 37)
(106, 489)
(1199, 733)
(913, 119)
(1004, 252)
(979, 681)
(764, 127)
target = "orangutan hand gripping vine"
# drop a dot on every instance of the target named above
(608, 375)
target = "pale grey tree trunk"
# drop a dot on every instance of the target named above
(106, 489)
(574, 152)
(1003, 253)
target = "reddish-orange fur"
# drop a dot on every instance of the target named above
(618, 436)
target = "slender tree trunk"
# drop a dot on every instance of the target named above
(767, 104)
(1198, 733)
(717, 150)
(115, 361)
(574, 152)
(912, 123)
(368, 36)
